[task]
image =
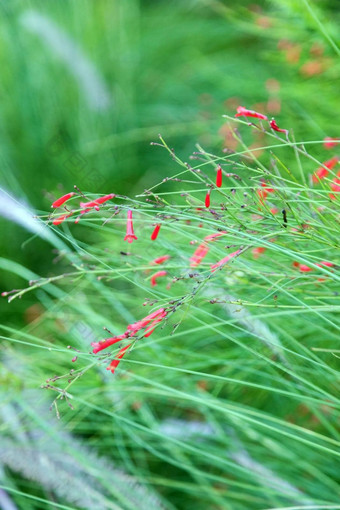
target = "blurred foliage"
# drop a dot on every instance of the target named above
(159, 67)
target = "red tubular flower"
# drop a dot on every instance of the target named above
(103, 344)
(61, 218)
(62, 200)
(149, 322)
(244, 112)
(322, 172)
(335, 184)
(102, 200)
(150, 329)
(262, 194)
(207, 199)
(157, 275)
(304, 269)
(154, 234)
(325, 263)
(275, 127)
(266, 187)
(258, 251)
(130, 236)
(329, 142)
(160, 260)
(224, 260)
(98, 201)
(132, 329)
(93, 205)
(198, 255)
(137, 326)
(212, 237)
(115, 362)
(219, 177)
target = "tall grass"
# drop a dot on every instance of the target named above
(232, 402)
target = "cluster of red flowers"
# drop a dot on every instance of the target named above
(199, 255)
(320, 173)
(94, 204)
(323, 171)
(148, 324)
(130, 235)
(245, 112)
(306, 269)
(203, 249)
(257, 252)
(263, 192)
(158, 261)
(335, 185)
(85, 206)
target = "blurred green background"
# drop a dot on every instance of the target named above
(86, 86)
